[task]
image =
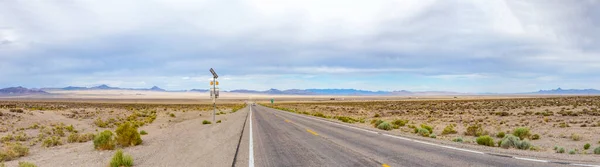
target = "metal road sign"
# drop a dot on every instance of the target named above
(214, 73)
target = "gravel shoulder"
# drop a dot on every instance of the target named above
(173, 143)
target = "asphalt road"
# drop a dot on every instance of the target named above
(286, 139)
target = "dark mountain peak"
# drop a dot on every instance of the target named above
(156, 88)
(103, 86)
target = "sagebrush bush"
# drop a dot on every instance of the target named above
(384, 126)
(535, 137)
(218, 121)
(572, 152)
(143, 132)
(120, 160)
(429, 128)
(449, 130)
(128, 135)
(597, 150)
(560, 150)
(485, 140)
(515, 142)
(474, 130)
(400, 122)
(587, 146)
(12, 151)
(52, 141)
(423, 132)
(522, 132)
(458, 139)
(433, 135)
(576, 137)
(26, 164)
(206, 122)
(104, 141)
(377, 122)
(500, 135)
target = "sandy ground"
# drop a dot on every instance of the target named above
(172, 141)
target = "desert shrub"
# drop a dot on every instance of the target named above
(449, 130)
(98, 122)
(423, 132)
(218, 121)
(17, 110)
(433, 135)
(319, 115)
(104, 141)
(80, 138)
(121, 160)
(346, 119)
(52, 141)
(560, 150)
(485, 140)
(572, 152)
(206, 122)
(73, 137)
(587, 146)
(597, 150)
(128, 135)
(172, 115)
(576, 137)
(12, 151)
(515, 142)
(474, 130)
(429, 128)
(535, 137)
(143, 132)
(400, 122)
(500, 135)
(377, 115)
(521, 132)
(458, 139)
(377, 122)
(26, 164)
(384, 126)
(71, 129)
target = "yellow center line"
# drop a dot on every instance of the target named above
(385, 165)
(313, 132)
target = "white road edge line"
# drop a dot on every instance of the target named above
(529, 159)
(251, 145)
(586, 165)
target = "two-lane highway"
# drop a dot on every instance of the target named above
(287, 139)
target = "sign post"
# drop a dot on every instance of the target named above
(214, 92)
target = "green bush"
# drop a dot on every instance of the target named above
(485, 140)
(52, 141)
(433, 135)
(423, 132)
(597, 150)
(143, 132)
(206, 122)
(515, 142)
(128, 135)
(560, 150)
(429, 128)
(449, 130)
(377, 115)
(535, 137)
(377, 122)
(218, 121)
(13, 151)
(458, 139)
(572, 152)
(500, 135)
(522, 132)
(104, 141)
(400, 122)
(384, 126)
(474, 130)
(587, 146)
(26, 164)
(120, 160)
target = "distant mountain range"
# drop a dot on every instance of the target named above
(569, 91)
(559, 91)
(20, 91)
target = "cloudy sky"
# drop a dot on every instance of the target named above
(419, 45)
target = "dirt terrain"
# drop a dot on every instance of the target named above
(552, 122)
(54, 132)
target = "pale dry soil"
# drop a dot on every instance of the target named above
(172, 141)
